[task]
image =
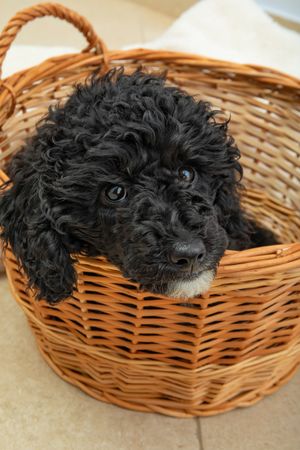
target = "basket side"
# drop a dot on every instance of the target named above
(178, 391)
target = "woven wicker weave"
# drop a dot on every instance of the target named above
(227, 348)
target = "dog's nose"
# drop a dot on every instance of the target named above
(187, 256)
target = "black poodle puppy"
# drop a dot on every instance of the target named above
(134, 170)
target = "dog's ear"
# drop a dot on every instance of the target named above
(35, 240)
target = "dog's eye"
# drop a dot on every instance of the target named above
(115, 193)
(186, 174)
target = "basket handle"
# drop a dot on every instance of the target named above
(26, 15)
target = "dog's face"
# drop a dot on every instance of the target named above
(140, 173)
(157, 218)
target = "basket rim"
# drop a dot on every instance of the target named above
(259, 73)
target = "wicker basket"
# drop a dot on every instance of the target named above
(146, 352)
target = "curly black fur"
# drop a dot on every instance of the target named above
(135, 132)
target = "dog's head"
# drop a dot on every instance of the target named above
(129, 168)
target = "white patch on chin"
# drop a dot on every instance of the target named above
(190, 289)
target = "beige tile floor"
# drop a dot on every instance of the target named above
(39, 411)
